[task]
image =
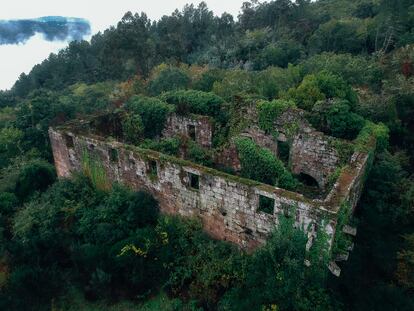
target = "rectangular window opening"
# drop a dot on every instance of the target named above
(69, 141)
(194, 181)
(191, 131)
(266, 205)
(283, 150)
(113, 155)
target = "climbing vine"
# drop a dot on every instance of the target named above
(260, 164)
(270, 111)
(95, 171)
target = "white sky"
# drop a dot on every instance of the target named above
(15, 59)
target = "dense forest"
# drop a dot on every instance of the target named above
(71, 245)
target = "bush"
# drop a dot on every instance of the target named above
(133, 129)
(207, 79)
(335, 118)
(274, 81)
(372, 136)
(192, 101)
(153, 113)
(197, 154)
(277, 271)
(306, 94)
(170, 146)
(235, 82)
(270, 111)
(260, 164)
(355, 70)
(321, 86)
(35, 176)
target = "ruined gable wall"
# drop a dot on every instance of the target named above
(310, 151)
(178, 125)
(311, 154)
(227, 206)
(261, 138)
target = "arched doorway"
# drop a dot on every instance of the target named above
(308, 180)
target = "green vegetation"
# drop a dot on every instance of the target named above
(153, 114)
(321, 86)
(335, 118)
(196, 102)
(94, 170)
(133, 129)
(85, 243)
(270, 111)
(260, 164)
(378, 132)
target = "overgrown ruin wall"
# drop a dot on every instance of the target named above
(310, 151)
(180, 125)
(226, 204)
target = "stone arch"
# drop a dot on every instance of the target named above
(308, 180)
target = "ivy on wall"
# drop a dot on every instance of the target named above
(94, 170)
(371, 131)
(270, 111)
(260, 164)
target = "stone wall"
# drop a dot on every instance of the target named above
(181, 125)
(261, 138)
(311, 152)
(227, 205)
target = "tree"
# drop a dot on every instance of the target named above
(335, 118)
(277, 271)
(34, 176)
(169, 79)
(153, 114)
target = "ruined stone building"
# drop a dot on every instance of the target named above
(230, 207)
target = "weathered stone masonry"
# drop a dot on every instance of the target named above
(200, 126)
(226, 204)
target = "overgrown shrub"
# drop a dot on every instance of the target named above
(335, 118)
(93, 168)
(372, 136)
(192, 101)
(170, 146)
(198, 154)
(153, 113)
(206, 81)
(321, 86)
(270, 111)
(260, 164)
(35, 176)
(277, 271)
(235, 82)
(133, 128)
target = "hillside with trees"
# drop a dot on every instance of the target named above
(69, 244)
